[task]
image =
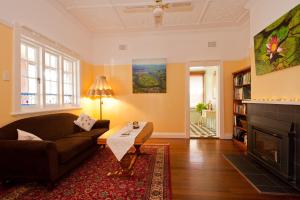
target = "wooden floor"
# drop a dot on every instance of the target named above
(200, 172)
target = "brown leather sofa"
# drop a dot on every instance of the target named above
(64, 146)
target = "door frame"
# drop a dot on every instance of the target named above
(220, 96)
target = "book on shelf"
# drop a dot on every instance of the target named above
(240, 108)
(240, 135)
(242, 93)
(238, 80)
(242, 79)
(246, 93)
(238, 93)
(247, 78)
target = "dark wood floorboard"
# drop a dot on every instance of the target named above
(199, 171)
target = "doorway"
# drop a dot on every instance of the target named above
(203, 99)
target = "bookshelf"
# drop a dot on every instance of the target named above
(241, 92)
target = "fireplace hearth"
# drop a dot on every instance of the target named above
(273, 139)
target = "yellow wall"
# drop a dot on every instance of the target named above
(6, 49)
(228, 68)
(166, 110)
(280, 84)
(6, 64)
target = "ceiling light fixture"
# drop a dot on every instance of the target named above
(158, 11)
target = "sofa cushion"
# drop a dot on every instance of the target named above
(69, 147)
(93, 134)
(85, 122)
(23, 135)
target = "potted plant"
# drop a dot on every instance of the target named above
(200, 107)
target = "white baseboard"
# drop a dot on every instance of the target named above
(168, 135)
(226, 136)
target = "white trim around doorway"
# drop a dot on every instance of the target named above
(220, 97)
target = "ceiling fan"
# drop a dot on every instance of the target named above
(158, 8)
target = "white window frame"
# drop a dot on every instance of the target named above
(43, 44)
(28, 43)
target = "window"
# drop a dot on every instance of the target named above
(29, 75)
(49, 78)
(196, 89)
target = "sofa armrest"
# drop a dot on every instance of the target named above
(101, 124)
(26, 159)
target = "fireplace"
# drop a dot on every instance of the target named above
(268, 148)
(272, 139)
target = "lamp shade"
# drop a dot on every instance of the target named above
(100, 88)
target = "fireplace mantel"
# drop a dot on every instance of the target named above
(295, 103)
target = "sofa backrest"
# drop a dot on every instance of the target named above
(47, 127)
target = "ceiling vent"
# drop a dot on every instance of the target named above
(122, 47)
(212, 44)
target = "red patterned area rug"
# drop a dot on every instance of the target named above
(90, 181)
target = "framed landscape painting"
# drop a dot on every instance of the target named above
(277, 47)
(149, 75)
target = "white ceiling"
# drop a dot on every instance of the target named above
(108, 16)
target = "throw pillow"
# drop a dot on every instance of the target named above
(23, 135)
(85, 122)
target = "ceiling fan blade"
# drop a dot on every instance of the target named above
(138, 9)
(179, 7)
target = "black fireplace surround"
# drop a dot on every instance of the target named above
(274, 139)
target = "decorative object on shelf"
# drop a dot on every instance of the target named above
(100, 89)
(277, 46)
(209, 106)
(200, 107)
(135, 125)
(149, 75)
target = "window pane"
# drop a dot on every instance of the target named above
(31, 54)
(68, 78)
(32, 71)
(196, 90)
(50, 75)
(53, 76)
(32, 85)
(28, 99)
(68, 89)
(24, 70)
(24, 84)
(53, 89)
(51, 99)
(53, 61)
(47, 59)
(68, 99)
(67, 66)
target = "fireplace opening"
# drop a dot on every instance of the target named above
(268, 148)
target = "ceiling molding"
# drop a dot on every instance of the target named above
(108, 17)
(206, 4)
(128, 33)
(56, 4)
(118, 14)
